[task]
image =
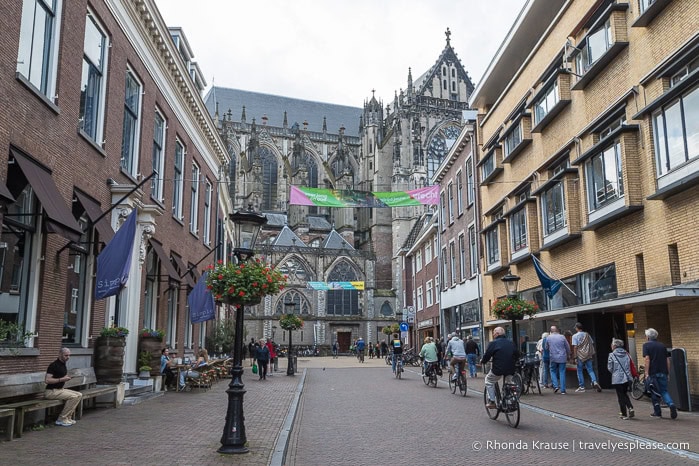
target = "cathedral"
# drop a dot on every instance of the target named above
(277, 142)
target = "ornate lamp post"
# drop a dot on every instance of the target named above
(290, 305)
(511, 283)
(247, 225)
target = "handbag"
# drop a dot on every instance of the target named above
(632, 367)
(254, 368)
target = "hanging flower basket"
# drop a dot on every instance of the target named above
(290, 322)
(514, 308)
(244, 283)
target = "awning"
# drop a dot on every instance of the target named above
(94, 211)
(59, 218)
(5, 193)
(183, 269)
(165, 260)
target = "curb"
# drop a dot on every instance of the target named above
(282, 443)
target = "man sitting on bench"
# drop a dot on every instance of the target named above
(56, 377)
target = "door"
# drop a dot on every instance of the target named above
(344, 339)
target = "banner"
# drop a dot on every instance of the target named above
(201, 302)
(327, 286)
(321, 197)
(549, 285)
(114, 261)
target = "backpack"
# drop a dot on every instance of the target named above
(586, 349)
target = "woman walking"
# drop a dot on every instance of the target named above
(619, 365)
(262, 356)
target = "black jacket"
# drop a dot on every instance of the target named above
(503, 353)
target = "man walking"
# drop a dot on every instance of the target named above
(472, 353)
(657, 364)
(56, 377)
(583, 352)
(559, 351)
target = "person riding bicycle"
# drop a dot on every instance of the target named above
(428, 353)
(504, 354)
(397, 346)
(458, 354)
(360, 349)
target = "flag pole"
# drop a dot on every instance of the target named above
(547, 270)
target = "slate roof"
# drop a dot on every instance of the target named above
(258, 104)
(287, 237)
(335, 241)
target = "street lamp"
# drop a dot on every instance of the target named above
(290, 306)
(511, 283)
(247, 225)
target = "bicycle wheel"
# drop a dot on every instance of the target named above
(452, 383)
(462, 384)
(433, 379)
(637, 388)
(517, 381)
(526, 380)
(535, 385)
(493, 413)
(427, 376)
(511, 409)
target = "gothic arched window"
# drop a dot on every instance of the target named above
(301, 304)
(343, 302)
(386, 309)
(269, 179)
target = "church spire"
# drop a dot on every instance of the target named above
(448, 34)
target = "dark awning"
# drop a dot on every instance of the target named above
(165, 260)
(183, 269)
(59, 218)
(94, 211)
(5, 193)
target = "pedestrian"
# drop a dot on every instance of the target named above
(523, 346)
(619, 364)
(262, 355)
(272, 355)
(545, 364)
(377, 350)
(370, 347)
(657, 364)
(336, 349)
(251, 350)
(445, 356)
(200, 364)
(384, 349)
(583, 352)
(559, 350)
(472, 354)
(360, 346)
(56, 378)
(166, 368)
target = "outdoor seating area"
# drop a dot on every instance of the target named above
(209, 374)
(21, 394)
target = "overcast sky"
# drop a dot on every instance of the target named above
(336, 51)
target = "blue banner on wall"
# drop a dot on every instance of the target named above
(114, 261)
(201, 302)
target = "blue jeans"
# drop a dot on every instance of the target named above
(659, 382)
(545, 373)
(393, 360)
(588, 367)
(472, 358)
(558, 375)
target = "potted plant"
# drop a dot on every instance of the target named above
(514, 308)
(109, 354)
(145, 368)
(243, 283)
(13, 335)
(390, 329)
(151, 341)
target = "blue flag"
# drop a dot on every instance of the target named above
(201, 302)
(114, 261)
(549, 285)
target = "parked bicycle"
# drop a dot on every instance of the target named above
(638, 385)
(528, 370)
(431, 373)
(460, 380)
(506, 402)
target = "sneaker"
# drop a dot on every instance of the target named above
(71, 421)
(63, 423)
(491, 405)
(655, 416)
(631, 413)
(555, 390)
(182, 387)
(673, 412)
(625, 418)
(580, 389)
(597, 387)
(563, 393)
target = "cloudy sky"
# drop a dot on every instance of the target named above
(336, 51)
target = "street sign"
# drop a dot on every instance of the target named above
(411, 319)
(404, 327)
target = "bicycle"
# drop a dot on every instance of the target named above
(430, 374)
(529, 372)
(638, 385)
(507, 403)
(460, 381)
(399, 366)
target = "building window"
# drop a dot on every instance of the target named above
(452, 263)
(513, 139)
(604, 177)
(342, 302)
(76, 300)
(488, 166)
(194, 201)
(208, 190)
(436, 289)
(462, 257)
(450, 191)
(445, 269)
(131, 129)
(150, 308)
(178, 181)
(676, 132)
(428, 293)
(553, 209)
(594, 47)
(443, 209)
(188, 326)
(38, 44)
(418, 261)
(428, 252)
(548, 100)
(470, 183)
(93, 85)
(492, 246)
(518, 230)
(419, 299)
(472, 250)
(158, 159)
(459, 193)
(171, 329)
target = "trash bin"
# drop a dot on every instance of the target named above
(678, 381)
(294, 363)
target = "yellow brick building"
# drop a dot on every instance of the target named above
(588, 136)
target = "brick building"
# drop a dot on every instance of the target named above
(96, 97)
(588, 160)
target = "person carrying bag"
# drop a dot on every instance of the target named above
(619, 364)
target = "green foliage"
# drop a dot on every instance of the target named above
(244, 281)
(514, 308)
(144, 359)
(114, 332)
(290, 322)
(13, 334)
(222, 336)
(149, 332)
(391, 329)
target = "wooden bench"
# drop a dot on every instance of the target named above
(24, 393)
(9, 415)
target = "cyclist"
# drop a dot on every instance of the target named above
(428, 353)
(458, 354)
(397, 346)
(360, 349)
(504, 354)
